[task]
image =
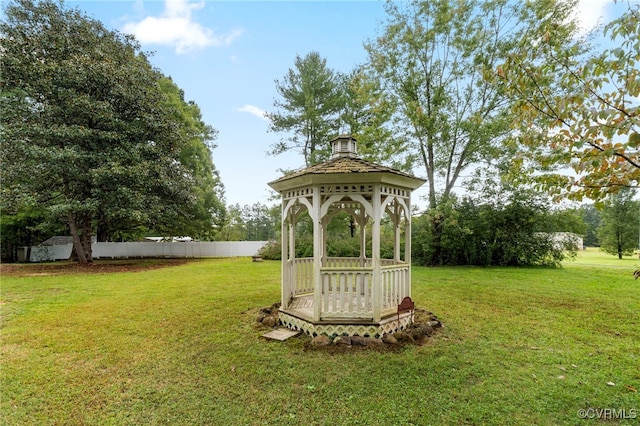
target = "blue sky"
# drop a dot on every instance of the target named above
(225, 55)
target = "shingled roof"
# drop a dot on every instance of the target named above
(343, 165)
(344, 161)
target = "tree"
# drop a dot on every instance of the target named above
(195, 154)
(367, 115)
(591, 218)
(24, 226)
(618, 232)
(261, 222)
(432, 59)
(233, 227)
(86, 132)
(578, 115)
(309, 109)
(504, 228)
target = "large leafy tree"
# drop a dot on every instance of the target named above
(618, 232)
(308, 110)
(367, 114)
(578, 115)
(86, 131)
(433, 59)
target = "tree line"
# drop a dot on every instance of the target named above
(475, 96)
(505, 102)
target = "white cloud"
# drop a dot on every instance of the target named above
(176, 27)
(591, 13)
(253, 110)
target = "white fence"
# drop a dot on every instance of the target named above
(163, 249)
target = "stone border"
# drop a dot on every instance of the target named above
(425, 325)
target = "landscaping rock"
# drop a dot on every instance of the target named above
(401, 336)
(270, 321)
(424, 326)
(389, 339)
(321, 340)
(422, 331)
(343, 340)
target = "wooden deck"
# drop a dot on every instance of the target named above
(299, 316)
(302, 307)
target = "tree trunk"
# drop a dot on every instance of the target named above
(436, 234)
(103, 231)
(78, 244)
(86, 239)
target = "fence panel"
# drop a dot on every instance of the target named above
(161, 249)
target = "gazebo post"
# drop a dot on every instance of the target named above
(407, 244)
(324, 239)
(284, 255)
(362, 221)
(318, 251)
(293, 268)
(375, 254)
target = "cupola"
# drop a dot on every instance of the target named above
(343, 146)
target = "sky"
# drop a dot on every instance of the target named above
(226, 56)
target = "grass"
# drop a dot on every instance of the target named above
(180, 345)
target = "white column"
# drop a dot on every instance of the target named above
(324, 223)
(293, 267)
(284, 264)
(407, 244)
(317, 253)
(375, 253)
(396, 225)
(363, 239)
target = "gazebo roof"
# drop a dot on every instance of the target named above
(345, 168)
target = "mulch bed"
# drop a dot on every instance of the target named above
(97, 267)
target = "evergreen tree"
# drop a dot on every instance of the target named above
(309, 109)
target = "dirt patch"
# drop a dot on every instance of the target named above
(97, 267)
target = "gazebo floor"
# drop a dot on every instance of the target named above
(299, 316)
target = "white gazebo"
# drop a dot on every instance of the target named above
(346, 295)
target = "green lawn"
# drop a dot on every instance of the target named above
(593, 256)
(180, 345)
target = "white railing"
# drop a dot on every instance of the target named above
(346, 262)
(301, 275)
(347, 287)
(395, 285)
(347, 293)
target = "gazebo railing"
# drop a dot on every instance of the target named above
(300, 277)
(395, 285)
(347, 292)
(347, 285)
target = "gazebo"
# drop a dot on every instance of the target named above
(347, 295)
